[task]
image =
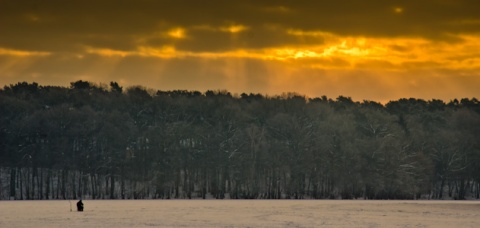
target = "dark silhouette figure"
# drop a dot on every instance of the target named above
(80, 205)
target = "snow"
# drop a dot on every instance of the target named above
(240, 213)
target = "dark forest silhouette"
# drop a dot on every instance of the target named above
(97, 141)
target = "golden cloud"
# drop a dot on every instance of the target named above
(177, 33)
(106, 52)
(230, 28)
(19, 53)
(336, 52)
(233, 28)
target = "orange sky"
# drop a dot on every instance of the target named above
(368, 50)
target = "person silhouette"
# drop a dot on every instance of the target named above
(80, 205)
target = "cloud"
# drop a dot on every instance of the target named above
(177, 33)
(233, 28)
(312, 47)
(60, 25)
(20, 53)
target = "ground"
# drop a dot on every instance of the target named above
(240, 213)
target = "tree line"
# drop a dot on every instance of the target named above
(104, 141)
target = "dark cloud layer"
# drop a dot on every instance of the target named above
(63, 25)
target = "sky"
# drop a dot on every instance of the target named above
(377, 50)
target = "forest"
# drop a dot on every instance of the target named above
(99, 141)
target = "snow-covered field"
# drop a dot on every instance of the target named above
(240, 213)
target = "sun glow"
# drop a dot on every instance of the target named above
(233, 28)
(177, 33)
